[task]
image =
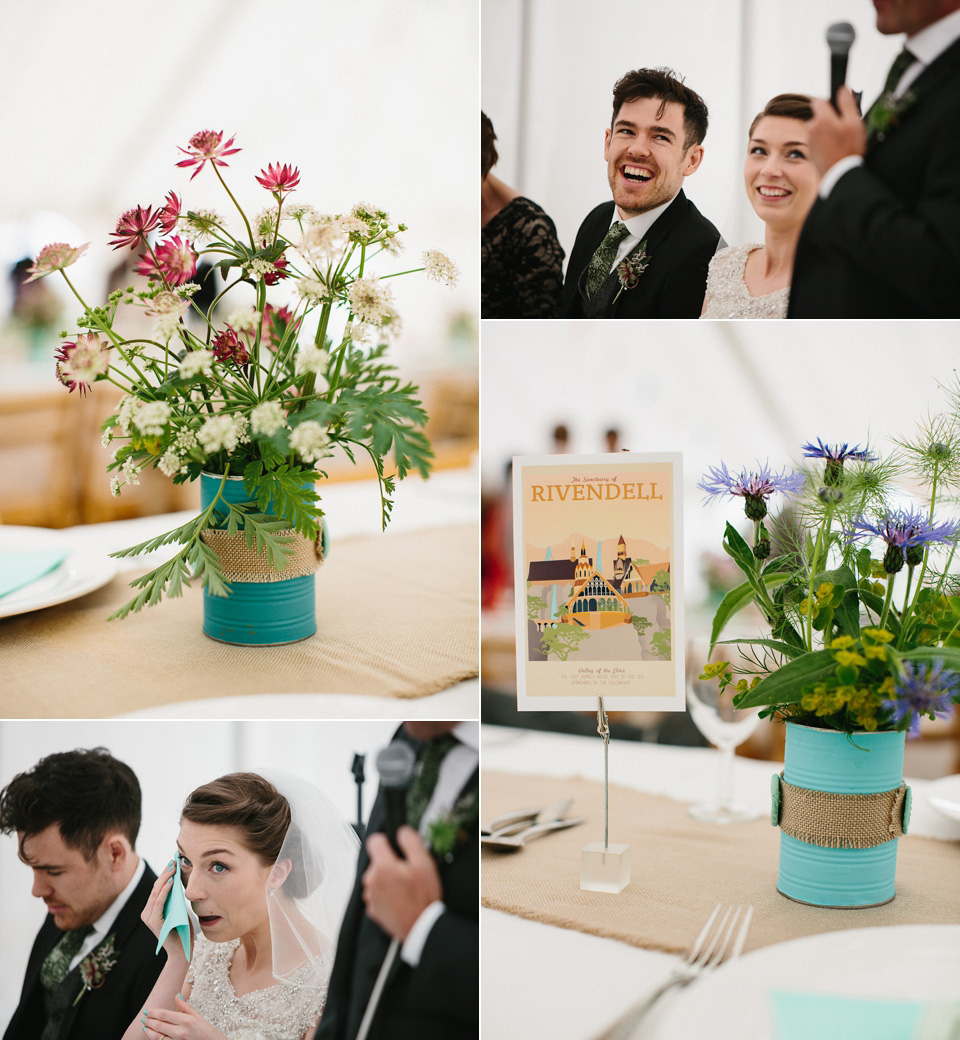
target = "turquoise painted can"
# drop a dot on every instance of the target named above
(256, 613)
(827, 760)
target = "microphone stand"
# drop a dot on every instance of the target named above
(358, 777)
(377, 990)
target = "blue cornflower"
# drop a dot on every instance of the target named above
(753, 488)
(923, 690)
(835, 455)
(906, 535)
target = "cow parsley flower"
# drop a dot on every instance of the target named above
(267, 418)
(310, 441)
(440, 267)
(370, 300)
(195, 363)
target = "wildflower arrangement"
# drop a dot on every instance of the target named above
(265, 394)
(861, 599)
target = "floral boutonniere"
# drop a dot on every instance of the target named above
(447, 833)
(96, 966)
(631, 267)
(886, 112)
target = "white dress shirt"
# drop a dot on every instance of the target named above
(103, 924)
(457, 767)
(925, 46)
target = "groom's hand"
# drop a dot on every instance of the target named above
(396, 891)
(835, 135)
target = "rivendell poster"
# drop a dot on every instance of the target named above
(598, 556)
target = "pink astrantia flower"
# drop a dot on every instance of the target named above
(279, 271)
(275, 323)
(176, 262)
(280, 178)
(226, 347)
(170, 213)
(134, 226)
(80, 362)
(55, 257)
(207, 144)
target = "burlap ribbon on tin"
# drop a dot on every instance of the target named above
(241, 562)
(841, 821)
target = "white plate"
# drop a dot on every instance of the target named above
(80, 572)
(944, 796)
(909, 962)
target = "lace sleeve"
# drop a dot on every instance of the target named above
(522, 264)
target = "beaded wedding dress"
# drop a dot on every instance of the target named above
(727, 295)
(285, 1011)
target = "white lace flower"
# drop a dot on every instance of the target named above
(312, 290)
(391, 245)
(310, 441)
(115, 485)
(370, 299)
(168, 308)
(151, 417)
(244, 319)
(222, 433)
(322, 241)
(130, 472)
(260, 266)
(311, 358)
(125, 413)
(184, 439)
(350, 224)
(197, 362)
(201, 221)
(440, 267)
(106, 437)
(169, 463)
(302, 212)
(267, 418)
(265, 223)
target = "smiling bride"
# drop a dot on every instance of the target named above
(267, 867)
(753, 281)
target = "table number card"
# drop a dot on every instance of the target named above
(598, 558)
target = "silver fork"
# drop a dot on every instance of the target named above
(718, 941)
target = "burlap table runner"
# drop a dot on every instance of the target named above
(681, 869)
(397, 616)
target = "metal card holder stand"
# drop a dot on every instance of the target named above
(604, 867)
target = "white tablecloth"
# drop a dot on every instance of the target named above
(546, 983)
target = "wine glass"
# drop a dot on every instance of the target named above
(725, 727)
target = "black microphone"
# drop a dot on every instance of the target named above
(840, 38)
(358, 778)
(395, 765)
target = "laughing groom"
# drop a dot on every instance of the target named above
(646, 253)
(76, 815)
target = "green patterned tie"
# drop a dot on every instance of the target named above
(602, 260)
(901, 63)
(428, 770)
(57, 965)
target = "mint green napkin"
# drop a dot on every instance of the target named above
(21, 568)
(175, 917)
(822, 1016)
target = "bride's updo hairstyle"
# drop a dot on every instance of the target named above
(254, 807)
(787, 106)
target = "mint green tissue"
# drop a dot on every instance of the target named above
(822, 1016)
(21, 568)
(175, 916)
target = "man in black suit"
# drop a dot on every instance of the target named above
(646, 253)
(76, 815)
(883, 238)
(427, 901)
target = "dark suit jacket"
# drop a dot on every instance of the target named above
(437, 1000)
(104, 1013)
(886, 242)
(680, 245)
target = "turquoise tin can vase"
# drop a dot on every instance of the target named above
(841, 806)
(265, 607)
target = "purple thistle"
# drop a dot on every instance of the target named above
(906, 535)
(835, 455)
(755, 488)
(923, 690)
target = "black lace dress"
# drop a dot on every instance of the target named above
(521, 263)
